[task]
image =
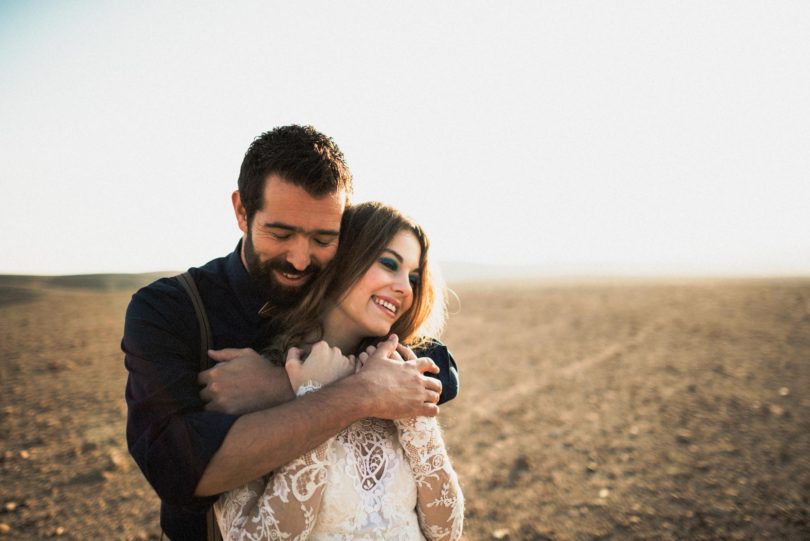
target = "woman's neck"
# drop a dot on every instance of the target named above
(338, 331)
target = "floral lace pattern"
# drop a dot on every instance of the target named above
(376, 479)
(441, 504)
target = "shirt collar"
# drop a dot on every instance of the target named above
(249, 296)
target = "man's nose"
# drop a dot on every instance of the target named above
(299, 255)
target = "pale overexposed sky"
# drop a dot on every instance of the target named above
(594, 137)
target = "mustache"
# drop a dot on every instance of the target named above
(285, 267)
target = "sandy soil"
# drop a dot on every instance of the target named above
(644, 410)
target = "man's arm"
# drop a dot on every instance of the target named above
(181, 447)
(262, 441)
(244, 381)
(169, 434)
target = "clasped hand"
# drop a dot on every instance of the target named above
(323, 365)
(390, 378)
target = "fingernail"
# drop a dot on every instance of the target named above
(393, 337)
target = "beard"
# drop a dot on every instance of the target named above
(263, 276)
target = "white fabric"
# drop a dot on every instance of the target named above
(375, 480)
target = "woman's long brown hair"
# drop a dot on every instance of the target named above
(365, 230)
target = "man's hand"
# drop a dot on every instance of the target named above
(242, 382)
(323, 365)
(398, 388)
(402, 353)
(262, 441)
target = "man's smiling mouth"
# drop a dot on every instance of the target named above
(292, 277)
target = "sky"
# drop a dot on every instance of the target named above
(637, 138)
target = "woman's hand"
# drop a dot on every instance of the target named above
(324, 365)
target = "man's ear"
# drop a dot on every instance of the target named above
(239, 211)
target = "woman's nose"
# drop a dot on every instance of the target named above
(402, 283)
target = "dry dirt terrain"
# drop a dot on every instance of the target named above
(601, 410)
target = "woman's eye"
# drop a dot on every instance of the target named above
(389, 263)
(414, 279)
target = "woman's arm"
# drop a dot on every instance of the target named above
(281, 505)
(440, 504)
(285, 504)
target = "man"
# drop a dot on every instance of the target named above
(194, 444)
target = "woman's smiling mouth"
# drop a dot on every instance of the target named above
(389, 306)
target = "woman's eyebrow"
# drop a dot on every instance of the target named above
(399, 257)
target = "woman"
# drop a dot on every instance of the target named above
(376, 479)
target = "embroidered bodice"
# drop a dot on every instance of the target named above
(376, 479)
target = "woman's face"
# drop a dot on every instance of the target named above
(385, 291)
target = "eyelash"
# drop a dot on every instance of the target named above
(393, 266)
(389, 264)
(321, 243)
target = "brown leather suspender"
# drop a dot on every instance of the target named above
(206, 343)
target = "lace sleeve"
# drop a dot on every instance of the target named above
(440, 504)
(281, 505)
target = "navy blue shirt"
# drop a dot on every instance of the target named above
(169, 433)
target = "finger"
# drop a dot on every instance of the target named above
(227, 354)
(432, 397)
(293, 356)
(206, 395)
(363, 357)
(432, 384)
(426, 364)
(320, 348)
(204, 377)
(371, 349)
(429, 410)
(387, 348)
(406, 352)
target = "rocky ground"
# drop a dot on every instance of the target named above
(613, 410)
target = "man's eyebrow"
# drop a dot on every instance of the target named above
(293, 229)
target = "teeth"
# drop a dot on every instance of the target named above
(385, 304)
(291, 276)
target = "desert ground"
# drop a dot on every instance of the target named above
(611, 409)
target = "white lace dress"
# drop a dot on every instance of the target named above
(375, 479)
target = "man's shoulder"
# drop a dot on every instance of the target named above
(428, 347)
(162, 304)
(166, 296)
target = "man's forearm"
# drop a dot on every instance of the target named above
(260, 442)
(243, 382)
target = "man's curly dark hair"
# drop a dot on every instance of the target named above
(301, 155)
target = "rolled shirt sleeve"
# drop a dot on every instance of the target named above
(448, 372)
